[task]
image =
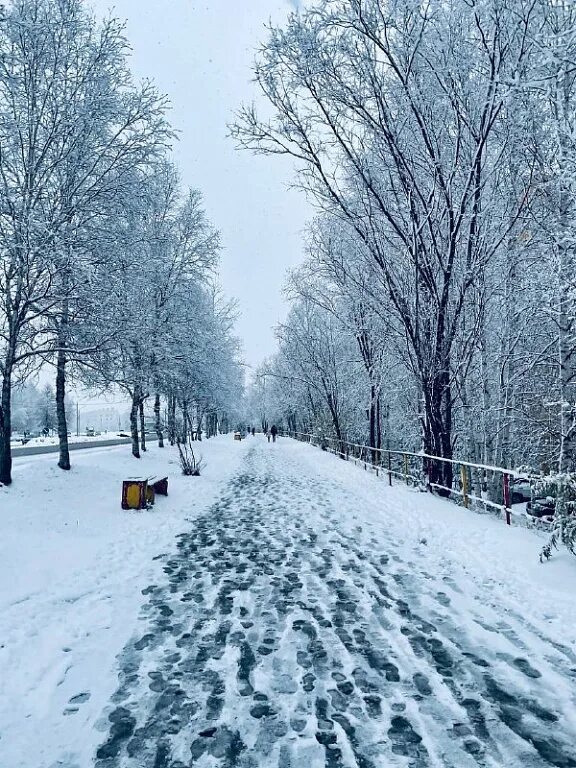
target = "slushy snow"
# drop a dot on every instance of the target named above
(284, 609)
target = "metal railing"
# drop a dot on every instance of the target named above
(472, 482)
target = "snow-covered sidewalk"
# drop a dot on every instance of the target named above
(72, 567)
(307, 615)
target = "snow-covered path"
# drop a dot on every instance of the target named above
(298, 625)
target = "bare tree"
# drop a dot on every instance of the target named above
(394, 125)
(70, 125)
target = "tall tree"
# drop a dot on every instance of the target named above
(392, 112)
(71, 127)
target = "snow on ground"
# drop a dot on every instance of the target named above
(72, 566)
(318, 618)
(482, 544)
(312, 616)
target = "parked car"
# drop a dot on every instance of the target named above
(542, 509)
(520, 490)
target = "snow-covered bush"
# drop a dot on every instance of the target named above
(562, 488)
(190, 465)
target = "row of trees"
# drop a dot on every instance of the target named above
(436, 307)
(107, 267)
(34, 409)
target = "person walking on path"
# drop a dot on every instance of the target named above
(253, 431)
(267, 433)
(273, 432)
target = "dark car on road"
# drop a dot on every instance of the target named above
(542, 509)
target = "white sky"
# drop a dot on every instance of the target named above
(199, 52)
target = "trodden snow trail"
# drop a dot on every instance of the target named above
(289, 634)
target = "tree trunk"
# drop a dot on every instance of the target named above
(566, 352)
(64, 459)
(142, 424)
(6, 428)
(373, 424)
(505, 431)
(158, 421)
(438, 432)
(172, 419)
(562, 95)
(210, 425)
(333, 407)
(378, 421)
(184, 421)
(134, 423)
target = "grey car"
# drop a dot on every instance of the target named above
(520, 490)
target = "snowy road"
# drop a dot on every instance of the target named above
(295, 629)
(87, 445)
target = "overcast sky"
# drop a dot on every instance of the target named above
(199, 52)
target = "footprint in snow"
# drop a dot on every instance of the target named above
(80, 698)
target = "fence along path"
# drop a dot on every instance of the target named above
(411, 468)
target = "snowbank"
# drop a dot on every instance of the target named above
(72, 567)
(53, 439)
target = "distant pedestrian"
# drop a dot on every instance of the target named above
(274, 432)
(267, 433)
(253, 431)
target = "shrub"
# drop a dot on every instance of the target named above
(561, 487)
(190, 465)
